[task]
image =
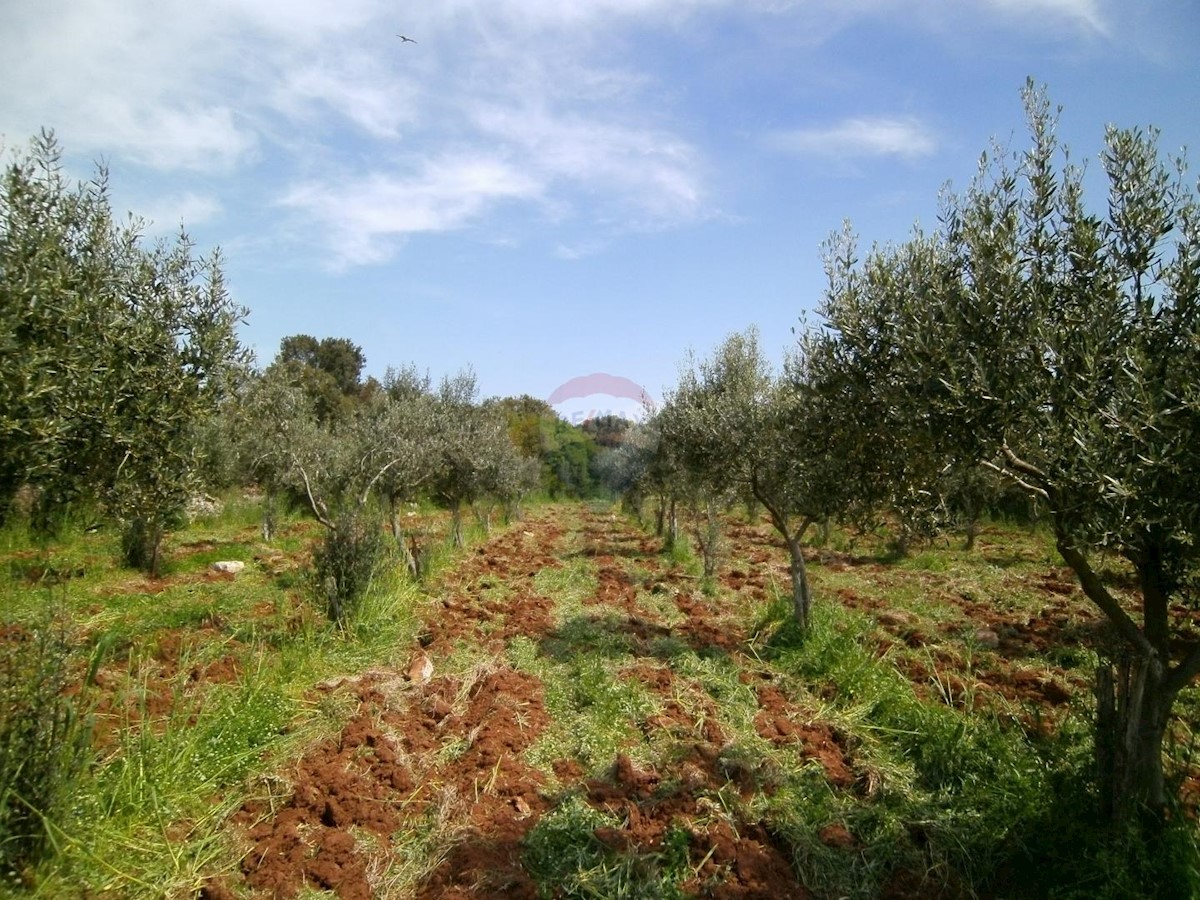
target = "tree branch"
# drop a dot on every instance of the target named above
(362, 501)
(1007, 473)
(318, 508)
(1179, 677)
(1020, 465)
(778, 519)
(1098, 594)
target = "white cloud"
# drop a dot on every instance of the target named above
(537, 14)
(131, 78)
(1085, 13)
(826, 17)
(581, 250)
(581, 136)
(363, 217)
(571, 123)
(642, 172)
(904, 137)
(166, 214)
(357, 89)
(202, 139)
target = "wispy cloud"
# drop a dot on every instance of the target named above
(167, 214)
(581, 133)
(581, 250)
(857, 138)
(128, 78)
(364, 217)
(1087, 14)
(626, 170)
(358, 90)
(573, 125)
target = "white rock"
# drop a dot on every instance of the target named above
(420, 670)
(229, 566)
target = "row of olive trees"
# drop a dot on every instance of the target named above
(113, 354)
(406, 442)
(1030, 338)
(1060, 348)
(123, 387)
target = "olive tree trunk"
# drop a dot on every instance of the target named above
(1135, 692)
(1133, 705)
(801, 590)
(792, 537)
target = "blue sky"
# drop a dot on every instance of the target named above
(543, 189)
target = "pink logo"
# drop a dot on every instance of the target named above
(598, 383)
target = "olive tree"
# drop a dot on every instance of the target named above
(112, 353)
(407, 423)
(382, 448)
(655, 468)
(260, 427)
(692, 481)
(510, 478)
(898, 463)
(1060, 347)
(736, 424)
(473, 450)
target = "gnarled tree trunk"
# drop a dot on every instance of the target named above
(1135, 691)
(672, 525)
(1133, 705)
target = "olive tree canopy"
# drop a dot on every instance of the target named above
(1060, 347)
(112, 353)
(736, 425)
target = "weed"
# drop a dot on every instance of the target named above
(565, 857)
(680, 553)
(568, 584)
(44, 741)
(344, 565)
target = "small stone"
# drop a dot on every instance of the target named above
(228, 566)
(438, 709)
(202, 506)
(420, 670)
(894, 618)
(987, 638)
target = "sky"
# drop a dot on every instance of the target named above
(551, 190)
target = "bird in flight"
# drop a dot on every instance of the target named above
(404, 39)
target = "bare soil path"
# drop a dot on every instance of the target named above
(578, 706)
(443, 754)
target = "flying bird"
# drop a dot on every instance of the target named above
(404, 39)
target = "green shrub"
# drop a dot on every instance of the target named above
(344, 565)
(43, 742)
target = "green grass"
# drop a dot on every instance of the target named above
(592, 717)
(564, 855)
(173, 757)
(951, 787)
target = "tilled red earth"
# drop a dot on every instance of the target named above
(424, 751)
(448, 751)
